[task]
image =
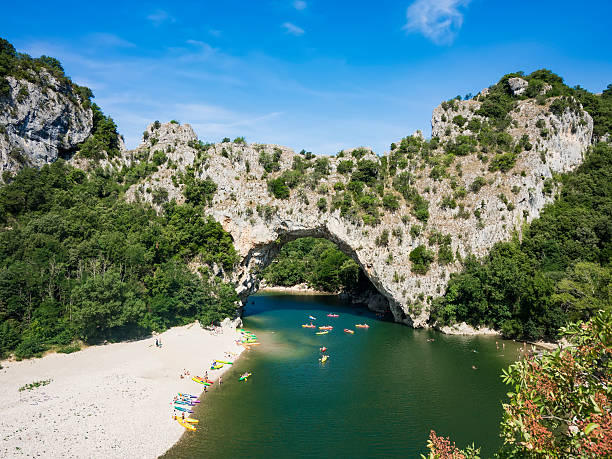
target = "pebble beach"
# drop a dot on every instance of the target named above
(108, 401)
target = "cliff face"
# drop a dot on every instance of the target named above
(474, 199)
(40, 122)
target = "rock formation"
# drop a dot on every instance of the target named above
(471, 204)
(40, 122)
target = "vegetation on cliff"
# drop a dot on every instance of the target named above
(559, 271)
(78, 262)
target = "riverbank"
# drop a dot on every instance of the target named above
(299, 289)
(107, 401)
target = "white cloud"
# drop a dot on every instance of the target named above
(299, 4)
(158, 17)
(438, 20)
(109, 39)
(293, 29)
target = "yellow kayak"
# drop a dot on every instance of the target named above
(324, 358)
(186, 425)
(189, 420)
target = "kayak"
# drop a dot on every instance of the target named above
(322, 332)
(186, 425)
(191, 420)
(323, 349)
(216, 367)
(223, 361)
(308, 326)
(183, 402)
(333, 315)
(198, 380)
(312, 318)
(244, 377)
(349, 331)
(362, 326)
(324, 358)
(326, 327)
(188, 395)
(180, 408)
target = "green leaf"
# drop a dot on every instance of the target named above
(590, 427)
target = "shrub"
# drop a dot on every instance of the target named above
(477, 184)
(502, 162)
(420, 258)
(278, 188)
(345, 166)
(390, 201)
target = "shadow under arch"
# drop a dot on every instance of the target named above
(368, 293)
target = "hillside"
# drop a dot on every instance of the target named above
(113, 243)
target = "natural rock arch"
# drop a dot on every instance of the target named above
(259, 223)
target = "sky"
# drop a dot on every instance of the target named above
(319, 75)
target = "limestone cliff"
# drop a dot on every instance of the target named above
(474, 196)
(41, 121)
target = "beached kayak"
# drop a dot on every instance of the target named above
(322, 332)
(180, 408)
(308, 326)
(191, 420)
(187, 395)
(349, 331)
(216, 367)
(223, 361)
(186, 425)
(362, 326)
(201, 382)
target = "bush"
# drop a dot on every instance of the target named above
(390, 201)
(502, 162)
(420, 259)
(345, 166)
(477, 184)
(278, 188)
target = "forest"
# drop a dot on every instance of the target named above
(316, 262)
(78, 262)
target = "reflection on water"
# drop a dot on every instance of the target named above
(379, 394)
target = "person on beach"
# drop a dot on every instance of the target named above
(156, 343)
(220, 380)
(183, 415)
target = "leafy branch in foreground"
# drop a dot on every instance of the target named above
(561, 404)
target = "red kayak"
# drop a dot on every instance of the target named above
(333, 315)
(349, 331)
(323, 349)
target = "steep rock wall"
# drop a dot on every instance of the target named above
(40, 122)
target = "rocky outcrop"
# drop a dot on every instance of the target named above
(260, 223)
(41, 122)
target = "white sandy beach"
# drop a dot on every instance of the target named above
(107, 401)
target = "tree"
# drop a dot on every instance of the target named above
(561, 404)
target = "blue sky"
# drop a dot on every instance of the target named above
(316, 74)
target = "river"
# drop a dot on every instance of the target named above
(379, 394)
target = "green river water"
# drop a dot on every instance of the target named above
(379, 394)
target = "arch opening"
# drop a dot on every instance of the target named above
(326, 255)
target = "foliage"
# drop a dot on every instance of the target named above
(442, 448)
(316, 262)
(198, 191)
(559, 272)
(35, 384)
(278, 188)
(104, 138)
(78, 262)
(561, 402)
(420, 259)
